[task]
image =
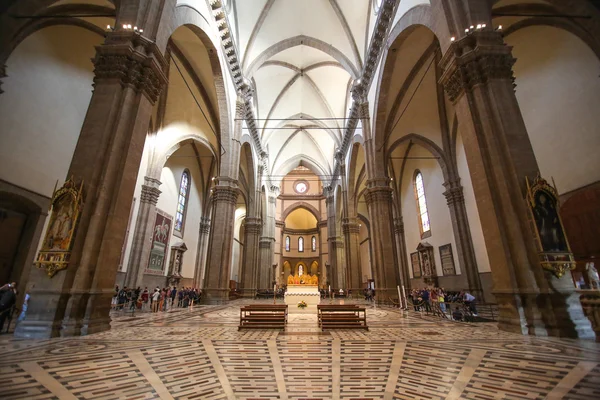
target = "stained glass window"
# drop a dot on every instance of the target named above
(184, 189)
(421, 203)
(300, 243)
(287, 243)
(313, 242)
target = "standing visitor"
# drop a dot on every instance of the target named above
(155, 300)
(8, 297)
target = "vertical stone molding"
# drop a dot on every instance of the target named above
(478, 79)
(350, 227)
(107, 159)
(462, 236)
(142, 236)
(200, 268)
(252, 231)
(267, 243)
(379, 204)
(218, 265)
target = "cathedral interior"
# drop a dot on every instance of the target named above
(236, 149)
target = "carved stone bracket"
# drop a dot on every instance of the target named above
(473, 60)
(133, 61)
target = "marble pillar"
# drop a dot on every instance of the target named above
(142, 236)
(128, 78)
(252, 230)
(350, 227)
(200, 267)
(462, 237)
(478, 79)
(378, 196)
(402, 253)
(216, 278)
(267, 244)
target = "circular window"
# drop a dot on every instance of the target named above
(301, 187)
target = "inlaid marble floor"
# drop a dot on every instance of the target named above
(200, 354)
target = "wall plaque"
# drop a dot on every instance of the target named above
(416, 266)
(447, 259)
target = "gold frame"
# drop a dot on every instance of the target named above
(67, 202)
(556, 262)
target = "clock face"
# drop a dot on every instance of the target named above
(301, 187)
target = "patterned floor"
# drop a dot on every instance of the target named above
(200, 354)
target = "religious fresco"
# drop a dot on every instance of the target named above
(67, 203)
(161, 234)
(553, 248)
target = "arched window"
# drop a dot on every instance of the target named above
(300, 244)
(287, 243)
(421, 205)
(184, 192)
(313, 244)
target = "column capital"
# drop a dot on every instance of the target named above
(204, 226)
(473, 60)
(252, 225)
(265, 242)
(133, 61)
(363, 109)
(350, 225)
(240, 108)
(399, 226)
(149, 194)
(227, 194)
(454, 192)
(329, 199)
(378, 194)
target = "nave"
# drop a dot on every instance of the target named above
(200, 354)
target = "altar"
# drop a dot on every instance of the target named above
(296, 293)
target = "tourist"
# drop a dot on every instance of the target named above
(155, 300)
(457, 315)
(469, 300)
(145, 296)
(8, 297)
(441, 300)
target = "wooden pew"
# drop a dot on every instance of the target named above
(263, 316)
(342, 316)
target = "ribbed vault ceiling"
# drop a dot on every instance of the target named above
(301, 58)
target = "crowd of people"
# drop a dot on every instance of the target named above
(427, 298)
(159, 300)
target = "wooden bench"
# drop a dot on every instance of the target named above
(342, 316)
(263, 316)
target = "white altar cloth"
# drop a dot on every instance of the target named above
(296, 293)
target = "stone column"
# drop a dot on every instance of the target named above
(402, 254)
(216, 278)
(200, 267)
(267, 243)
(142, 236)
(353, 261)
(252, 229)
(332, 270)
(379, 204)
(478, 79)
(128, 79)
(462, 237)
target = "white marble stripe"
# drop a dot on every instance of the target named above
(43, 377)
(151, 376)
(570, 380)
(336, 360)
(466, 373)
(274, 354)
(390, 387)
(216, 364)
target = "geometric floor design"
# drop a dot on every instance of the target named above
(200, 354)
